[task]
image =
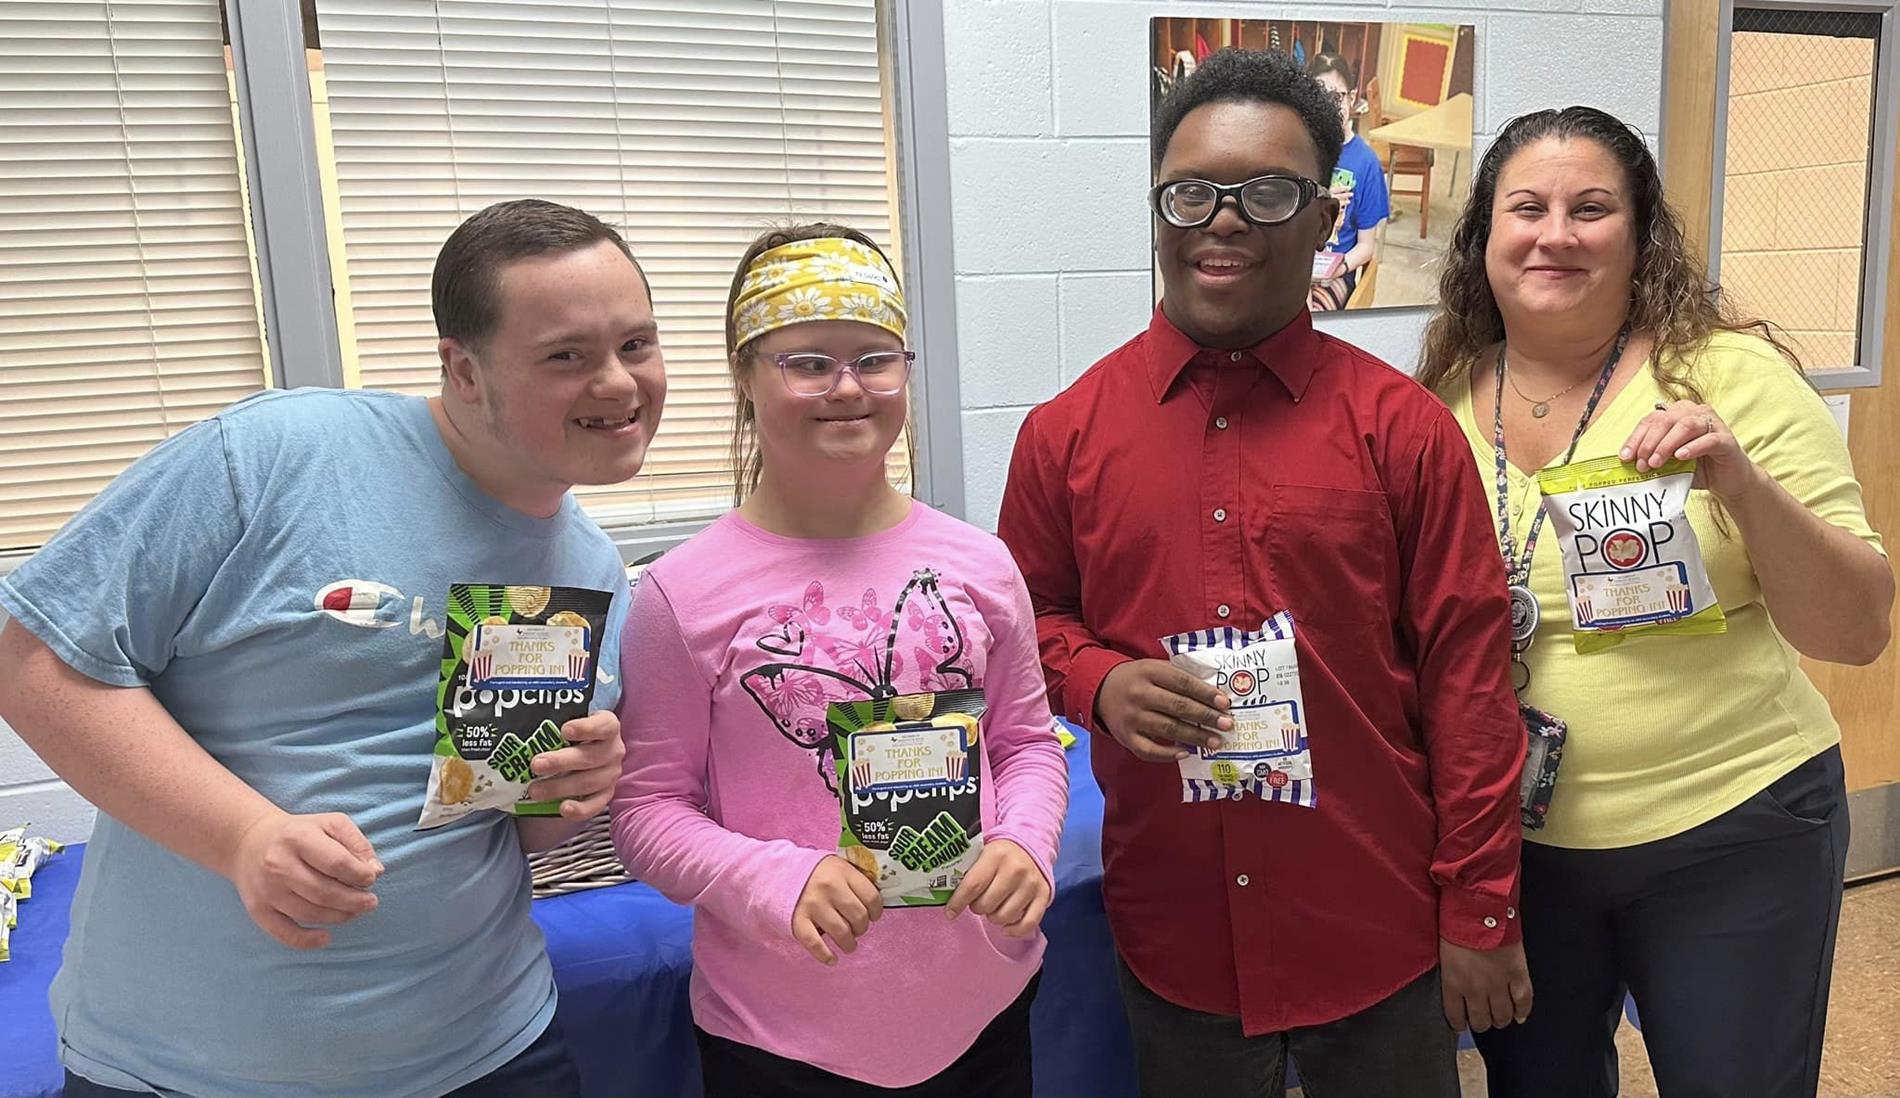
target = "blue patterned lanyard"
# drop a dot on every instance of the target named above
(1518, 570)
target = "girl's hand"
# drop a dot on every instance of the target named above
(839, 903)
(1005, 887)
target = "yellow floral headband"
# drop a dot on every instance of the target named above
(825, 279)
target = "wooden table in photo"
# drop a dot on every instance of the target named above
(1446, 126)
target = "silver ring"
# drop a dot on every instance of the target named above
(1708, 425)
(1661, 407)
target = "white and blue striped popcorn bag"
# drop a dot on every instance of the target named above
(1266, 754)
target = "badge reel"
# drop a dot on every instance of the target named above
(1525, 617)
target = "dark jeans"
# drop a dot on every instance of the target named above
(542, 1070)
(995, 1066)
(1400, 1047)
(1724, 935)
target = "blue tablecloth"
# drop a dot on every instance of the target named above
(622, 956)
(32, 1047)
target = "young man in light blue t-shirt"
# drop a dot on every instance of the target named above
(234, 650)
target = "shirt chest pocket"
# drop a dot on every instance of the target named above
(1332, 554)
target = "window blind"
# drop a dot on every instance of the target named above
(128, 307)
(689, 125)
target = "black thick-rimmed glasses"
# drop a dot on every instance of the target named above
(1263, 200)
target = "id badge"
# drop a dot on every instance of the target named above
(1543, 754)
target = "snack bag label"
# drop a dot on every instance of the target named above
(1632, 564)
(909, 787)
(1267, 753)
(526, 657)
(518, 662)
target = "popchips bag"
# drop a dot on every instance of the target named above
(9, 918)
(1632, 564)
(1266, 754)
(909, 773)
(517, 663)
(20, 858)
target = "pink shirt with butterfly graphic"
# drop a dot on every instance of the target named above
(736, 642)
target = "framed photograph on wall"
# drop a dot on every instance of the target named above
(1405, 96)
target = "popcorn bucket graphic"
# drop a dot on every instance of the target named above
(1289, 737)
(860, 774)
(954, 766)
(1678, 598)
(577, 666)
(481, 654)
(1585, 616)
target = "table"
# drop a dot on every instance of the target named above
(622, 956)
(1446, 126)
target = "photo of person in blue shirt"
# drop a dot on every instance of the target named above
(1359, 184)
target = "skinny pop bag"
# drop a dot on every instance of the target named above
(517, 663)
(1266, 754)
(909, 774)
(1632, 564)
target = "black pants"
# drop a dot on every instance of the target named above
(1400, 1047)
(542, 1070)
(996, 1066)
(1723, 934)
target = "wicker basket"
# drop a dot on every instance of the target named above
(585, 861)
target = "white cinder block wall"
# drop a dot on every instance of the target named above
(30, 793)
(1049, 172)
(1048, 104)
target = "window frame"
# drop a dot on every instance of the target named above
(278, 135)
(278, 142)
(1869, 350)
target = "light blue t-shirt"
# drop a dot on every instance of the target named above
(198, 573)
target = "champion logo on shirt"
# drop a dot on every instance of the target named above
(359, 602)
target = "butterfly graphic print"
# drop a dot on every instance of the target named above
(855, 652)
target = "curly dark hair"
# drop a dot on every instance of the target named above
(1669, 292)
(1253, 76)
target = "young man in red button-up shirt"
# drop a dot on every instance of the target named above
(1226, 464)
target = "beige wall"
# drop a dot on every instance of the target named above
(1794, 201)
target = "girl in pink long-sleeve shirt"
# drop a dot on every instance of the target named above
(828, 585)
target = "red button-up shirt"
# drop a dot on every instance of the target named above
(1174, 488)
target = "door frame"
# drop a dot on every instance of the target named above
(1866, 700)
(1694, 147)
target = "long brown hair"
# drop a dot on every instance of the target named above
(1669, 292)
(748, 463)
